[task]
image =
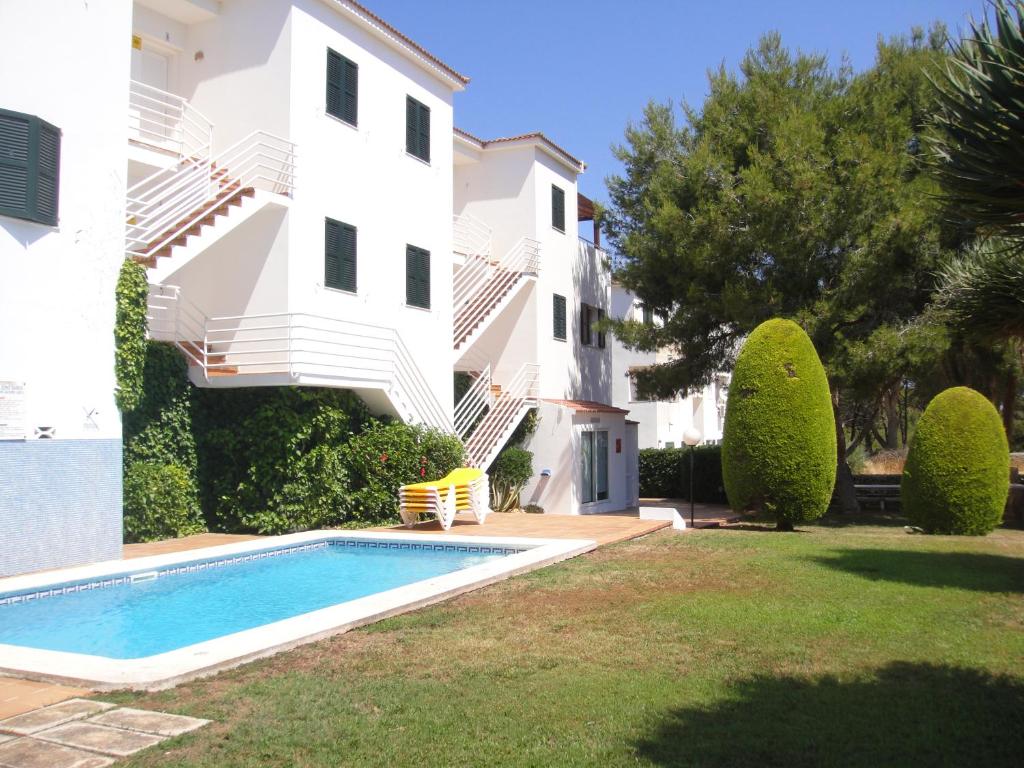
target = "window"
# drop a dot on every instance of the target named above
(670, 444)
(594, 466)
(342, 88)
(588, 317)
(339, 256)
(648, 315)
(558, 208)
(558, 312)
(29, 167)
(417, 277)
(417, 129)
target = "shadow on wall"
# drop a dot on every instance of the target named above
(957, 570)
(907, 714)
(592, 378)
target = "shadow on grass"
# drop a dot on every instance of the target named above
(866, 517)
(909, 714)
(961, 570)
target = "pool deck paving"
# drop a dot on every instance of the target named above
(84, 733)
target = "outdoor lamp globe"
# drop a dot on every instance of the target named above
(692, 436)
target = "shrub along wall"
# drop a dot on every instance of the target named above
(665, 473)
(264, 460)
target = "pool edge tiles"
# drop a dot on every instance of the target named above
(167, 669)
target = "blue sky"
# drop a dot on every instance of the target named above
(579, 71)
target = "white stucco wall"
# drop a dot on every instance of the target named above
(364, 177)
(57, 283)
(660, 421)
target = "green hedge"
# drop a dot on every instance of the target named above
(665, 473)
(779, 444)
(159, 503)
(956, 478)
(265, 460)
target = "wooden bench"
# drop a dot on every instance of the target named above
(880, 492)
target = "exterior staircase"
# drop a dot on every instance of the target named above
(483, 286)
(501, 408)
(176, 213)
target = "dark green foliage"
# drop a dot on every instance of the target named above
(526, 428)
(160, 457)
(271, 458)
(384, 457)
(509, 474)
(779, 445)
(665, 473)
(956, 478)
(159, 502)
(132, 293)
(980, 123)
(983, 291)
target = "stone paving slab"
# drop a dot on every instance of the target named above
(32, 753)
(49, 717)
(148, 722)
(100, 738)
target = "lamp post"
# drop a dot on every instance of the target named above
(691, 437)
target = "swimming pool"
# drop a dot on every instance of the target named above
(156, 621)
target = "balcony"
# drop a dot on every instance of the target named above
(162, 121)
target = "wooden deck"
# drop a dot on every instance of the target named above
(604, 529)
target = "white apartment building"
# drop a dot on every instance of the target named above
(661, 423)
(290, 174)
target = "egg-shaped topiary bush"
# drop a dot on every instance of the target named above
(957, 474)
(779, 443)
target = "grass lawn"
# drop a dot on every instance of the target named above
(836, 645)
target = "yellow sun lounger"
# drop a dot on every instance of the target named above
(461, 490)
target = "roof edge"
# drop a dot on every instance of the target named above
(402, 42)
(536, 138)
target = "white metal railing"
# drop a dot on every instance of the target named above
(167, 121)
(470, 236)
(520, 394)
(168, 203)
(480, 283)
(171, 317)
(295, 343)
(478, 398)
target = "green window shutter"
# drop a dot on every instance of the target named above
(648, 316)
(14, 164)
(417, 129)
(342, 87)
(417, 277)
(339, 255)
(29, 167)
(585, 330)
(558, 312)
(558, 208)
(601, 338)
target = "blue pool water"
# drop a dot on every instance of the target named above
(129, 621)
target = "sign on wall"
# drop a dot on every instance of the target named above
(12, 410)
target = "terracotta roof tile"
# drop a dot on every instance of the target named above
(406, 39)
(536, 135)
(586, 406)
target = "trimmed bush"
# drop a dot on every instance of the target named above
(779, 445)
(509, 474)
(160, 502)
(665, 473)
(956, 478)
(130, 348)
(384, 457)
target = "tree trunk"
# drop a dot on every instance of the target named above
(1009, 403)
(845, 494)
(783, 525)
(892, 419)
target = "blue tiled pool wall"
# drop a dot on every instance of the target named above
(60, 503)
(207, 563)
